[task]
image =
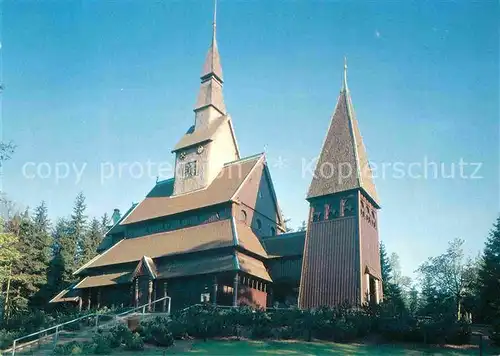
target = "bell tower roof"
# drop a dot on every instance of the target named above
(343, 163)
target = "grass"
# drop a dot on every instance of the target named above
(263, 348)
(310, 348)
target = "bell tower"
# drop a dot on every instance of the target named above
(210, 142)
(341, 262)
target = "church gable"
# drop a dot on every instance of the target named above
(145, 267)
(160, 202)
(258, 206)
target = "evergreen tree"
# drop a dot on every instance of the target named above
(105, 223)
(40, 252)
(392, 291)
(489, 276)
(78, 227)
(385, 267)
(303, 226)
(92, 240)
(63, 263)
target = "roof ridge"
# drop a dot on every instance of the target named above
(165, 180)
(285, 235)
(244, 159)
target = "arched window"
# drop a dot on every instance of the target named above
(273, 231)
(259, 224)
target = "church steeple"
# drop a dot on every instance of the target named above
(202, 152)
(210, 103)
(343, 153)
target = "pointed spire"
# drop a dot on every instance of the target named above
(212, 65)
(344, 78)
(343, 162)
(211, 76)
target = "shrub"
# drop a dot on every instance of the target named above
(118, 335)
(344, 330)
(178, 329)
(403, 329)
(156, 332)
(262, 325)
(7, 338)
(495, 333)
(135, 343)
(102, 343)
(70, 348)
(459, 333)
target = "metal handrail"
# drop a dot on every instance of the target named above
(147, 305)
(96, 315)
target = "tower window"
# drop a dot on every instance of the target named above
(273, 231)
(190, 169)
(259, 224)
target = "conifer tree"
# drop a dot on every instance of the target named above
(40, 252)
(391, 290)
(92, 240)
(63, 263)
(385, 267)
(105, 222)
(78, 227)
(489, 276)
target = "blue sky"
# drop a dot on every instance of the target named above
(89, 82)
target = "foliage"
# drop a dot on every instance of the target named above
(489, 277)
(78, 229)
(118, 335)
(261, 325)
(445, 331)
(495, 333)
(91, 241)
(7, 337)
(9, 255)
(74, 348)
(102, 343)
(134, 343)
(391, 279)
(157, 332)
(7, 149)
(63, 263)
(446, 280)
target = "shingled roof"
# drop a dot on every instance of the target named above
(211, 79)
(66, 295)
(344, 152)
(160, 202)
(108, 241)
(197, 238)
(201, 135)
(223, 233)
(285, 245)
(109, 279)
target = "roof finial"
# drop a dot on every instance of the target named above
(214, 24)
(344, 79)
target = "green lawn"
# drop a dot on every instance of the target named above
(262, 348)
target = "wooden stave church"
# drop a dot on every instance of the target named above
(216, 234)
